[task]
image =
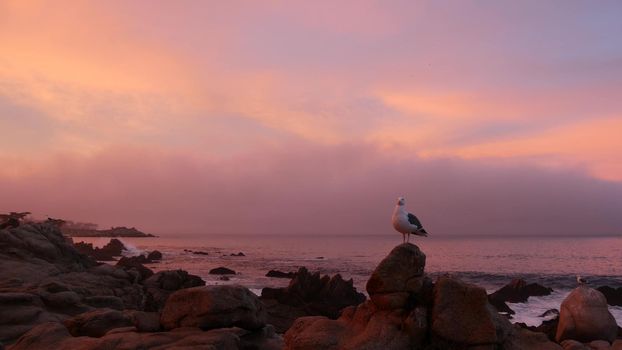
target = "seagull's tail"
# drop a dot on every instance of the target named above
(421, 232)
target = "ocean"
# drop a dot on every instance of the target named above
(490, 262)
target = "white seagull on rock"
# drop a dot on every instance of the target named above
(405, 222)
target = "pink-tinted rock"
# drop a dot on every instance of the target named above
(399, 271)
(584, 316)
(462, 314)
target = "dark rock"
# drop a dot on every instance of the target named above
(97, 323)
(144, 321)
(43, 278)
(517, 291)
(613, 295)
(224, 278)
(552, 313)
(238, 254)
(162, 284)
(154, 256)
(548, 327)
(280, 274)
(55, 336)
(221, 271)
(199, 252)
(136, 263)
(584, 316)
(108, 252)
(311, 294)
(105, 301)
(523, 339)
(213, 307)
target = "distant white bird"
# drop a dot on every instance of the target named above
(405, 222)
(581, 280)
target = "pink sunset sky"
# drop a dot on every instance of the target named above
(311, 117)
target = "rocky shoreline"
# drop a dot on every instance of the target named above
(54, 295)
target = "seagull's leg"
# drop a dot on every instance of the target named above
(403, 238)
(408, 239)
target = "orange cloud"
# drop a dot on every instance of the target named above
(593, 144)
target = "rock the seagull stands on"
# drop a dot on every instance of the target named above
(405, 222)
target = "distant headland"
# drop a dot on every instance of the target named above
(120, 231)
(71, 228)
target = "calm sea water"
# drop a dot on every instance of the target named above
(487, 261)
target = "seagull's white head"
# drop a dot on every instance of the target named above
(401, 201)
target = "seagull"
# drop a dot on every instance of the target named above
(405, 222)
(581, 280)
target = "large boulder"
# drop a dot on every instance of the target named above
(461, 314)
(214, 307)
(584, 316)
(399, 278)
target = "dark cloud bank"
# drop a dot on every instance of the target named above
(315, 190)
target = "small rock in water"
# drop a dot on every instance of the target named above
(200, 253)
(154, 255)
(319, 257)
(221, 271)
(224, 278)
(280, 274)
(238, 254)
(550, 314)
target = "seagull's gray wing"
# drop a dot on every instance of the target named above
(414, 221)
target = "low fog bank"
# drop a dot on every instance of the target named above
(314, 190)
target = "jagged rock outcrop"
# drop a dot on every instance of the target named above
(309, 294)
(584, 316)
(108, 252)
(517, 291)
(407, 311)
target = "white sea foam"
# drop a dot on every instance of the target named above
(131, 250)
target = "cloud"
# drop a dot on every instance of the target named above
(311, 189)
